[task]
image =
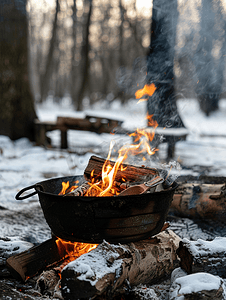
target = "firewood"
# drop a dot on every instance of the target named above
(203, 256)
(131, 173)
(109, 267)
(79, 191)
(203, 201)
(28, 263)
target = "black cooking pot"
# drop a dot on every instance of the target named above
(93, 219)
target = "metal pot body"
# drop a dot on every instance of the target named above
(94, 219)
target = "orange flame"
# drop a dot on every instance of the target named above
(106, 186)
(73, 249)
(148, 89)
(66, 187)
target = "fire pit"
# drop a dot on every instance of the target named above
(93, 219)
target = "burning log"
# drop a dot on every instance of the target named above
(79, 191)
(126, 177)
(109, 267)
(203, 256)
(203, 201)
(131, 173)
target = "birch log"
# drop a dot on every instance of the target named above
(109, 267)
(204, 201)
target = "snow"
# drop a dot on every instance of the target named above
(197, 282)
(12, 246)
(201, 247)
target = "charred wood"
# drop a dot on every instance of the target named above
(109, 267)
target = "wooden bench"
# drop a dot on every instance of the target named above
(88, 123)
(101, 124)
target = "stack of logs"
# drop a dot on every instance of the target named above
(117, 271)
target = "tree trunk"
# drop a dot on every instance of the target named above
(46, 76)
(74, 69)
(85, 57)
(209, 72)
(162, 104)
(16, 100)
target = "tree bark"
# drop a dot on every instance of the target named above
(85, 57)
(45, 77)
(16, 100)
(162, 104)
(74, 69)
(108, 268)
(209, 72)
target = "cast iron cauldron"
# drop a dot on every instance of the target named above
(92, 219)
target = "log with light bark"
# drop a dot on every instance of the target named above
(203, 201)
(203, 256)
(110, 268)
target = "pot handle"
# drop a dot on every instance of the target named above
(18, 197)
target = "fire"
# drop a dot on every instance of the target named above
(66, 187)
(73, 250)
(148, 89)
(142, 138)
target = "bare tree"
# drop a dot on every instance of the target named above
(85, 63)
(209, 70)
(46, 76)
(16, 101)
(73, 71)
(160, 69)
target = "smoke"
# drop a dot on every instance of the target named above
(130, 80)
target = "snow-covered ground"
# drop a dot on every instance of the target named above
(23, 164)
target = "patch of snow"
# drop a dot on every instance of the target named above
(201, 247)
(12, 246)
(198, 282)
